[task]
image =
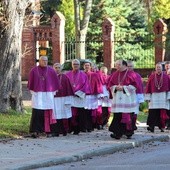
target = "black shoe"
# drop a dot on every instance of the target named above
(162, 130)
(75, 133)
(64, 133)
(135, 127)
(114, 136)
(76, 130)
(89, 130)
(34, 135)
(129, 136)
(168, 128)
(99, 127)
(150, 129)
(55, 135)
(83, 130)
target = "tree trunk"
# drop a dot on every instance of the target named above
(11, 23)
(81, 27)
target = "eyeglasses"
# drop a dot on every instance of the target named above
(76, 64)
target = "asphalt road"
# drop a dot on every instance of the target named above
(151, 156)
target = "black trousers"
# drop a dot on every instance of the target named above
(37, 121)
(154, 118)
(119, 128)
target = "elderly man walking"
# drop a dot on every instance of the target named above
(80, 86)
(62, 104)
(157, 95)
(43, 83)
(122, 85)
(139, 90)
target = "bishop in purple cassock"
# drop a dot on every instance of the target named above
(122, 86)
(91, 101)
(43, 83)
(158, 95)
(80, 85)
(104, 101)
(62, 104)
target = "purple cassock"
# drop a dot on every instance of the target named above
(78, 80)
(158, 83)
(104, 78)
(80, 85)
(94, 83)
(139, 90)
(62, 105)
(65, 86)
(123, 78)
(157, 93)
(43, 79)
(123, 103)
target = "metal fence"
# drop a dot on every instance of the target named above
(136, 47)
(93, 50)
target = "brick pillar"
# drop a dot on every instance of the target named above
(58, 37)
(159, 29)
(108, 29)
(28, 52)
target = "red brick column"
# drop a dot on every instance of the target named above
(108, 42)
(28, 52)
(58, 37)
(159, 29)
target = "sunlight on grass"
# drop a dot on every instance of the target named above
(13, 124)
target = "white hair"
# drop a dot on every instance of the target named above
(75, 61)
(43, 57)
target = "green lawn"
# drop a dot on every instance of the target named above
(142, 117)
(15, 124)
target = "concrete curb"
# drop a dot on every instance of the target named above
(90, 153)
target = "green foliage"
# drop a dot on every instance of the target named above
(48, 9)
(130, 19)
(131, 40)
(142, 117)
(67, 9)
(161, 9)
(143, 107)
(136, 47)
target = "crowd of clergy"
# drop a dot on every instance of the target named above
(79, 101)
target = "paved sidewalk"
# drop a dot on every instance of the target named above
(28, 153)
